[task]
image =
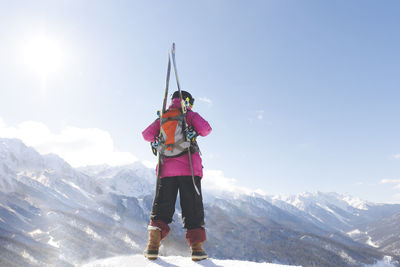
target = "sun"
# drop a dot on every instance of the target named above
(44, 55)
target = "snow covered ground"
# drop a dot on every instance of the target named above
(172, 261)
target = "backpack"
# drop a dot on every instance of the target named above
(172, 139)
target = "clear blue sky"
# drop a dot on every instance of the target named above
(304, 94)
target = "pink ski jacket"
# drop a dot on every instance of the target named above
(180, 166)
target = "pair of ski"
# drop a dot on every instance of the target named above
(184, 110)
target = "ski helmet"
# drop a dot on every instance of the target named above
(185, 95)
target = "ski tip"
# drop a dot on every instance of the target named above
(173, 48)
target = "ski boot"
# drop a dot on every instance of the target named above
(151, 251)
(198, 253)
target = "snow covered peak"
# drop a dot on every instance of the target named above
(94, 170)
(105, 171)
(345, 202)
(54, 162)
(133, 180)
(357, 203)
(17, 156)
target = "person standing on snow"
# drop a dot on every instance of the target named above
(175, 174)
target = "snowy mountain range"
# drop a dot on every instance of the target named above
(53, 214)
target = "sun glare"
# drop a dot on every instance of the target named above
(44, 55)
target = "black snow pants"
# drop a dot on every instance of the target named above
(191, 203)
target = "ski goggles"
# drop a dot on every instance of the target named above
(189, 103)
